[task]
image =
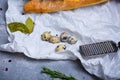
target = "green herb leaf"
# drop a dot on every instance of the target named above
(17, 26)
(29, 24)
(57, 74)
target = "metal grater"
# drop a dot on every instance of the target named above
(99, 48)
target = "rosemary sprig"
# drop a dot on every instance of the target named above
(57, 74)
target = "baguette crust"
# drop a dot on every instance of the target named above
(44, 6)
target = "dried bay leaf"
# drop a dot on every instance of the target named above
(29, 24)
(17, 26)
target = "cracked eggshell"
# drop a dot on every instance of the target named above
(46, 36)
(64, 37)
(60, 47)
(54, 39)
(72, 40)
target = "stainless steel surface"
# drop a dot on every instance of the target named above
(16, 66)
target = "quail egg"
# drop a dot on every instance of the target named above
(60, 47)
(46, 36)
(54, 39)
(72, 40)
(64, 37)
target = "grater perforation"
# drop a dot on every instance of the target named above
(98, 48)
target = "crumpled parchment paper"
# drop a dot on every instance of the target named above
(89, 24)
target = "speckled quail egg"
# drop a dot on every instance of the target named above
(54, 39)
(64, 37)
(46, 36)
(72, 40)
(60, 47)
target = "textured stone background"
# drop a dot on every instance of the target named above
(19, 67)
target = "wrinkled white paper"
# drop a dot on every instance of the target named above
(88, 24)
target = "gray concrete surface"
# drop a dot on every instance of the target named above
(16, 66)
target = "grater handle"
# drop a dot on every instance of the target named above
(119, 44)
